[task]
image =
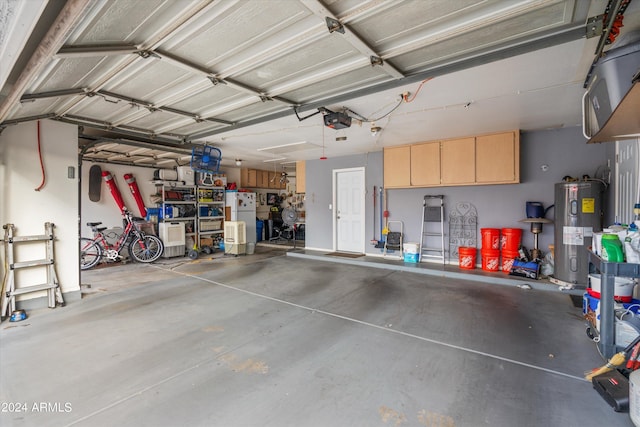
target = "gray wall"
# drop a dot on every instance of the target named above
(564, 151)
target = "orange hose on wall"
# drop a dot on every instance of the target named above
(41, 162)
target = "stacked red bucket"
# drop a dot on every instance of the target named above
(509, 245)
(490, 250)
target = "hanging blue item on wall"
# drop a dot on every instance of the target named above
(206, 159)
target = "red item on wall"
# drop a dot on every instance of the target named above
(113, 187)
(135, 191)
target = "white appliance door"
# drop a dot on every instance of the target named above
(232, 203)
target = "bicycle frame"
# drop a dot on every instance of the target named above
(129, 231)
(142, 247)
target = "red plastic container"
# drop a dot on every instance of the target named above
(467, 257)
(510, 240)
(507, 260)
(490, 259)
(490, 238)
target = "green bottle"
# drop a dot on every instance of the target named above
(612, 248)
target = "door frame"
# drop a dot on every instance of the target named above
(335, 173)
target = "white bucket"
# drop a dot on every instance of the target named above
(251, 247)
(410, 248)
(623, 287)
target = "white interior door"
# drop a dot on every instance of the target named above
(349, 194)
(627, 169)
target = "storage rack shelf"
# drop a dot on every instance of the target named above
(210, 223)
(608, 272)
(201, 208)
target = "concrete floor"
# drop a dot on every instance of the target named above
(277, 340)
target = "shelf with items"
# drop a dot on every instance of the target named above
(210, 212)
(608, 272)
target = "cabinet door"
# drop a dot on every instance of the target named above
(397, 167)
(425, 164)
(458, 161)
(248, 177)
(263, 179)
(274, 179)
(301, 173)
(497, 158)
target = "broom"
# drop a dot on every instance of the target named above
(616, 360)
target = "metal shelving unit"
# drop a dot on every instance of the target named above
(210, 214)
(608, 272)
(179, 204)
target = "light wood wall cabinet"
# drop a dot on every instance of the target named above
(248, 177)
(263, 179)
(458, 158)
(397, 167)
(498, 158)
(425, 164)
(484, 159)
(301, 176)
(256, 178)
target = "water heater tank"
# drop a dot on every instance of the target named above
(578, 214)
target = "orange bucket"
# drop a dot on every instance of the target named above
(490, 259)
(510, 240)
(507, 260)
(490, 238)
(467, 257)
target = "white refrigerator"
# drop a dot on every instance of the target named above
(242, 207)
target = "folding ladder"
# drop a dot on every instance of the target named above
(431, 234)
(10, 291)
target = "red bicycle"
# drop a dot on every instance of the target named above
(142, 247)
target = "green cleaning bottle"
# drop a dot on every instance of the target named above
(612, 248)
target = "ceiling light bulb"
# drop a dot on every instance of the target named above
(375, 130)
(238, 162)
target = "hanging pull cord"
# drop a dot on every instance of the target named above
(41, 162)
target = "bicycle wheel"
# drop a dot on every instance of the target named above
(146, 249)
(90, 253)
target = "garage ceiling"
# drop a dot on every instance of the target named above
(146, 80)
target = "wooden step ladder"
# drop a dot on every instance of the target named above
(9, 290)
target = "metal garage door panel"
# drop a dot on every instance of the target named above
(391, 26)
(196, 128)
(482, 38)
(254, 110)
(35, 107)
(152, 80)
(338, 85)
(120, 21)
(155, 120)
(208, 99)
(330, 52)
(101, 108)
(238, 29)
(70, 73)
